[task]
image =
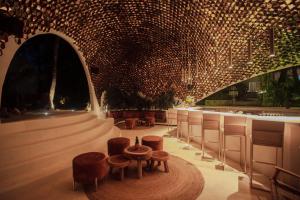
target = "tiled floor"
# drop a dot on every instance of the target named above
(228, 184)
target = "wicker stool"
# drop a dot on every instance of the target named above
(160, 156)
(153, 141)
(118, 162)
(89, 168)
(117, 145)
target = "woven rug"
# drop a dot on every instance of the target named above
(183, 182)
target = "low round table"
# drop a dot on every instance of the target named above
(138, 153)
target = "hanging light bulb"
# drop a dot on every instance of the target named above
(271, 40)
(182, 74)
(204, 63)
(216, 59)
(186, 76)
(230, 57)
(189, 71)
(249, 53)
(197, 70)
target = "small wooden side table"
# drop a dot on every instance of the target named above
(138, 153)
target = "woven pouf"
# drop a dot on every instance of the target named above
(89, 168)
(117, 145)
(153, 141)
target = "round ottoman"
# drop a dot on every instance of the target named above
(160, 156)
(119, 162)
(117, 145)
(89, 168)
(153, 141)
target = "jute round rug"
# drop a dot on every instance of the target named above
(183, 182)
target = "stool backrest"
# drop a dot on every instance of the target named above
(267, 133)
(211, 121)
(171, 113)
(182, 115)
(195, 117)
(235, 125)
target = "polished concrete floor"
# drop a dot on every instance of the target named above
(228, 184)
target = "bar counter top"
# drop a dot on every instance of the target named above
(288, 119)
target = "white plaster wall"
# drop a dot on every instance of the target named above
(42, 147)
(12, 47)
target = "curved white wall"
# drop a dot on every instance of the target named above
(11, 48)
(32, 149)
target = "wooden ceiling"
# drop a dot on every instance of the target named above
(148, 46)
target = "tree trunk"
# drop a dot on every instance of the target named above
(53, 84)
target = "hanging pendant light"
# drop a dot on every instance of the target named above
(230, 57)
(204, 63)
(271, 40)
(182, 74)
(249, 53)
(197, 69)
(216, 59)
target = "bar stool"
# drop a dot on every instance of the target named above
(266, 133)
(211, 122)
(182, 117)
(195, 118)
(171, 117)
(235, 126)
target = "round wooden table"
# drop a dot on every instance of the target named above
(138, 153)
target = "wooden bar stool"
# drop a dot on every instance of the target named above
(266, 133)
(195, 118)
(211, 122)
(182, 117)
(171, 117)
(235, 126)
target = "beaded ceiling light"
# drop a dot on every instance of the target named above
(146, 45)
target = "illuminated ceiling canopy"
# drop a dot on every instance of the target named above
(152, 46)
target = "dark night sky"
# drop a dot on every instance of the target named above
(29, 76)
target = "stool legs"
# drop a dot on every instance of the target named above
(179, 133)
(140, 169)
(189, 133)
(266, 163)
(121, 173)
(166, 166)
(96, 183)
(240, 151)
(203, 144)
(251, 164)
(74, 185)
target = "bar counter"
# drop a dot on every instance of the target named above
(291, 149)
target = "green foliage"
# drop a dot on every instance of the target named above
(165, 100)
(282, 92)
(117, 99)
